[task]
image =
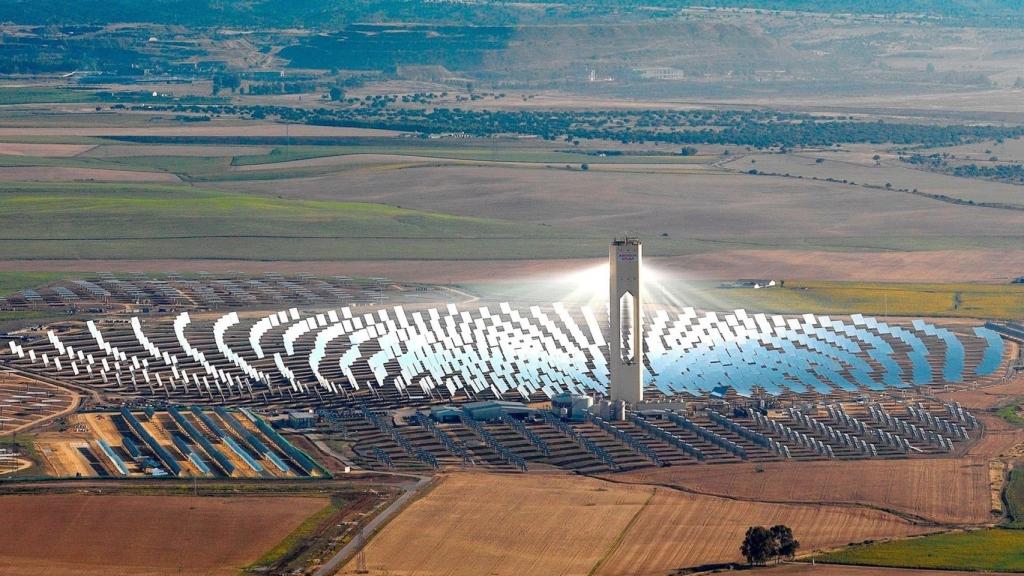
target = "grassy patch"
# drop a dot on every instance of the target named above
(297, 537)
(27, 448)
(185, 166)
(11, 282)
(1013, 493)
(995, 549)
(1011, 414)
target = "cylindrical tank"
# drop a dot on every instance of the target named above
(619, 411)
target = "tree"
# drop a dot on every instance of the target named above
(337, 93)
(758, 545)
(785, 545)
(763, 544)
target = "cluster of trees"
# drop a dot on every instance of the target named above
(762, 544)
(1012, 173)
(265, 88)
(226, 80)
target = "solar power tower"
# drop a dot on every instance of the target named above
(625, 346)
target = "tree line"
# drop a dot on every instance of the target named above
(754, 128)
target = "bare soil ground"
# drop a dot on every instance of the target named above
(61, 456)
(573, 525)
(954, 491)
(93, 535)
(987, 396)
(66, 174)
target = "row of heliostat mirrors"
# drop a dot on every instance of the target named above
(516, 353)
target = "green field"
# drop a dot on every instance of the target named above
(995, 549)
(34, 95)
(894, 299)
(88, 220)
(11, 282)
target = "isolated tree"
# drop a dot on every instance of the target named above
(758, 545)
(785, 545)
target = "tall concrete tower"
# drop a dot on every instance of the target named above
(625, 344)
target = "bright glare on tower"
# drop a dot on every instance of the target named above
(625, 352)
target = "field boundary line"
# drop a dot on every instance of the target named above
(617, 543)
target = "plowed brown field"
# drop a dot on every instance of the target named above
(552, 524)
(92, 535)
(940, 490)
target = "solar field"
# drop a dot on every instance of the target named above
(390, 357)
(757, 388)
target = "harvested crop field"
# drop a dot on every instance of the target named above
(43, 150)
(469, 523)
(939, 490)
(766, 212)
(92, 535)
(678, 530)
(575, 525)
(67, 174)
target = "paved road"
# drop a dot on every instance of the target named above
(349, 550)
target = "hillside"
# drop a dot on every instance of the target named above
(329, 13)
